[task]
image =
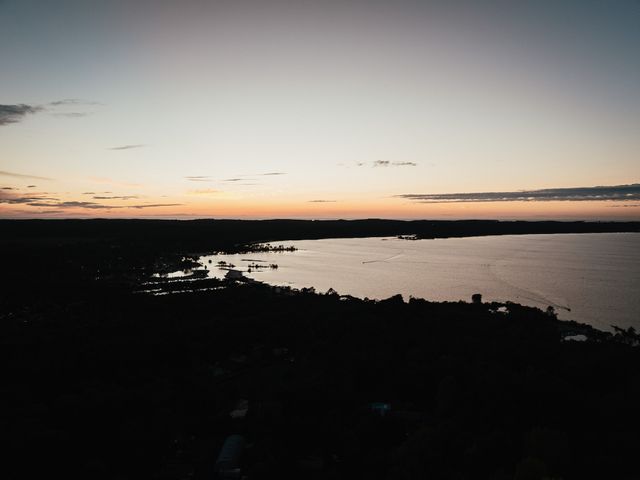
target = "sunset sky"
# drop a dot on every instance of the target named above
(320, 109)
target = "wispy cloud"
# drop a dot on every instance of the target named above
(50, 202)
(72, 114)
(575, 194)
(383, 163)
(153, 205)
(387, 163)
(235, 179)
(322, 201)
(198, 178)
(73, 101)
(205, 191)
(128, 147)
(15, 113)
(38, 212)
(404, 164)
(22, 175)
(14, 198)
(122, 197)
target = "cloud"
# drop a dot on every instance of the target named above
(69, 204)
(44, 202)
(38, 212)
(73, 101)
(154, 205)
(322, 201)
(14, 198)
(15, 113)
(31, 186)
(237, 178)
(404, 164)
(8, 195)
(72, 114)
(198, 178)
(206, 191)
(21, 175)
(577, 194)
(128, 147)
(381, 163)
(123, 197)
(386, 163)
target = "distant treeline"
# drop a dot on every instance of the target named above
(231, 234)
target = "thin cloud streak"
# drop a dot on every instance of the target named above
(206, 191)
(73, 101)
(575, 194)
(237, 178)
(385, 163)
(17, 112)
(198, 178)
(122, 197)
(38, 202)
(13, 198)
(128, 147)
(21, 175)
(72, 114)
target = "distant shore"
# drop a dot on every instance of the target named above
(231, 235)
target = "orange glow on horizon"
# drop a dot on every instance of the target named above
(353, 209)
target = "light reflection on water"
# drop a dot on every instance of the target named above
(591, 278)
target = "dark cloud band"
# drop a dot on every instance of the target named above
(578, 194)
(15, 113)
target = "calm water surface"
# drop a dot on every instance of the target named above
(592, 278)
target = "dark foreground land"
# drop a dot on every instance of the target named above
(101, 381)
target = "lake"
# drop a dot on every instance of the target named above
(591, 278)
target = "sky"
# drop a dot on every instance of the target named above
(320, 109)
